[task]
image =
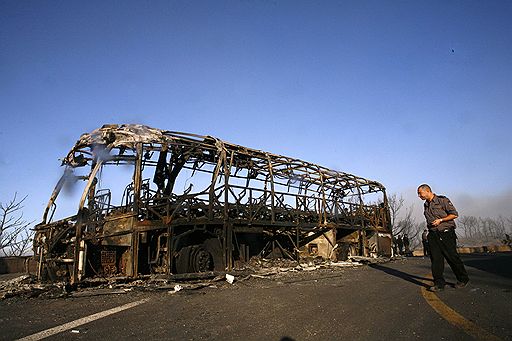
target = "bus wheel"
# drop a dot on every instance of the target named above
(201, 260)
(194, 258)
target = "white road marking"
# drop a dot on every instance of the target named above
(73, 324)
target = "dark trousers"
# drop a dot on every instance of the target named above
(443, 245)
(426, 251)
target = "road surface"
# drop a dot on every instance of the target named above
(381, 302)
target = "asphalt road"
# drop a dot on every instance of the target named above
(380, 302)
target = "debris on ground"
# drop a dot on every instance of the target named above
(176, 288)
(230, 278)
(98, 292)
(368, 260)
(256, 268)
(27, 285)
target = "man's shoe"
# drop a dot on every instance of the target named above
(460, 285)
(436, 288)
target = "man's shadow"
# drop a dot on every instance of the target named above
(405, 276)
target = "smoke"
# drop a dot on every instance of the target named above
(70, 182)
(467, 204)
(484, 205)
(101, 153)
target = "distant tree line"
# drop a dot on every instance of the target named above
(485, 228)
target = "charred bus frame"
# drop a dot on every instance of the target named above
(246, 202)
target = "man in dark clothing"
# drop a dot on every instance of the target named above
(406, 244)
(395, 246)
(424, 241)
(400, 245)
(440, 214)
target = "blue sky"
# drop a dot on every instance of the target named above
(402, 92)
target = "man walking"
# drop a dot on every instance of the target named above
(440, 214)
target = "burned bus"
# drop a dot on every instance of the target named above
(156, 201)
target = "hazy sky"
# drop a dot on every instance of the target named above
(402, 92)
